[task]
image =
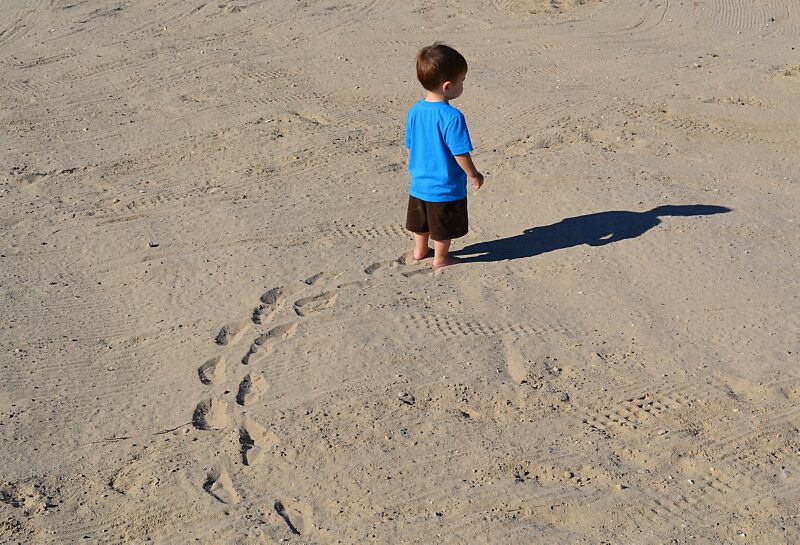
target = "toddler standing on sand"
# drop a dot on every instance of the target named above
(439, 161)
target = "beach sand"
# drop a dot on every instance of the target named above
(209, 333)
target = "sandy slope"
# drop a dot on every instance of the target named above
(616, 363)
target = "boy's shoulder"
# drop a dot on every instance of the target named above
(444, 109)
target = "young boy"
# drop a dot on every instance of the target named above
(439, 160)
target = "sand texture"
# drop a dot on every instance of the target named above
(211, 332)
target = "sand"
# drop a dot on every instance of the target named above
(210, 333)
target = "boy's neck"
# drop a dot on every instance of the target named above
(432, 96)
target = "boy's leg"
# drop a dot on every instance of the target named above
(421, 246)
(441, 257)
(448, 220)
(417, 223)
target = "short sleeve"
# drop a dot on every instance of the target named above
(456, 135)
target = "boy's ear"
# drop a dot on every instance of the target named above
(446, 86)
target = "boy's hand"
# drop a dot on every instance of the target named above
(477, 180)
(465, 162)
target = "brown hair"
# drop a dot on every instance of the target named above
(438, 63)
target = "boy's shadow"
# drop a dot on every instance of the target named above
(592, 229)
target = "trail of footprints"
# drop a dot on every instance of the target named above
(226, 399)
(230, 393)
(230, 396)
(215, 412)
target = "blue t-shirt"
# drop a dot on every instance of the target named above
(435, 132)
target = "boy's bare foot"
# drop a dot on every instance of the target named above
(422, 255)
(446, 261)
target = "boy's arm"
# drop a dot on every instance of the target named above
(465, 162)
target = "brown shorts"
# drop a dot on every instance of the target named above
(443, 220)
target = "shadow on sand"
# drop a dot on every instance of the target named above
(592, 229)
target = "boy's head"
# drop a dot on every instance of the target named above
(439, 64)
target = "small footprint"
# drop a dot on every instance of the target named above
(30, 496)
(231, 333)
(517, 364)
(296, 515)
(212, 371)
(353, 284)
(254, 357)
(220, 485)
(268, 305)
(270, 302)
(406, 261)
(211, 414)
(317, 278)
(265, 341)
(251, 388)
(314, 304)
(417, 272)
(284, 331)
(375, 267)
(408, 258)
(254, 439)
(133, 480)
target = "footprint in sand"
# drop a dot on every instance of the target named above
(268, 306)
(297, 516)
(30, 496)
(254, 440)
(380, 265)
(211, 414)
(220, 485)
(319, 277)
(268, 339)
(517, 365)
(251, 388)
(314, 304)
(417, 272)
(271, 300)
(212, 371)
(406, 260)
(231, 333)
(137, 477)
